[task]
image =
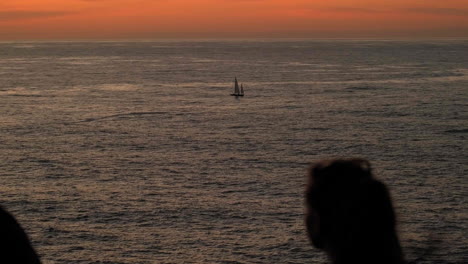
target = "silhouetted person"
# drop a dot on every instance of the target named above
(350, 214)
(15, 247)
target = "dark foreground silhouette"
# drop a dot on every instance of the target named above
(14, 243)
(350, 214)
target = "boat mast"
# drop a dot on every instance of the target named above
(236, 86)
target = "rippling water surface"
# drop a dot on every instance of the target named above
(119, 152)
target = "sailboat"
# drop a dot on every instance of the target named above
(237, 91)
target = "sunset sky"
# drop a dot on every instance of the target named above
(153, 19)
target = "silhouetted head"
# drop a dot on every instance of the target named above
(349, 213)
(14, 243)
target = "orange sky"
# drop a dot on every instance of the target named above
(152, 19)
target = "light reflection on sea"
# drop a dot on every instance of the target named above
(135, 152)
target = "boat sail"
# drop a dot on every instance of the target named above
(237, 91)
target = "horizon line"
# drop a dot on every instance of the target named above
(234, 39)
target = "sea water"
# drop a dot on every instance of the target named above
(135, 152)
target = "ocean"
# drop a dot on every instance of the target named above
(135, 152)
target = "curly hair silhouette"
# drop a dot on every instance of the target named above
(350, 214)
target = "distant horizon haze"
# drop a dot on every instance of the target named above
(145, 19)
